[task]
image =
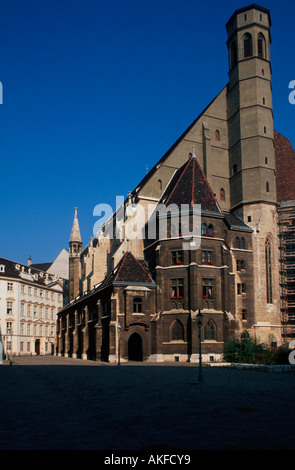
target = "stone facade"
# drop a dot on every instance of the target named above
(226, 162)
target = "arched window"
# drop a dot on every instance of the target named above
(210, 330)
(137, 305)
(242, 243)
(237, 242)
(261, 46)
(268, 268)
(248, 51)
(222, 194)
(160, 185)
(210, 230)
(217, 134)
(204, 229)
(233, 54)
(177, 331)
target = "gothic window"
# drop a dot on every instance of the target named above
(210, 330)
(248, 45)
(237, 242)
(261, 46)
(137, 305)
(177, 331)
(210, 230)
(204, 229)
(242, 243)
(268, 267)
(217, 135)
(222, 194)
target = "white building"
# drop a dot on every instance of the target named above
(30, 299)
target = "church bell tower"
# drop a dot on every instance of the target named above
(252, 175)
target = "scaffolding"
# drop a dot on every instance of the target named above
(286, 220)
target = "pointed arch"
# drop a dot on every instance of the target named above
(268, 270)
(247, 45)
(261, 46)
(210, 330)
(177, 331)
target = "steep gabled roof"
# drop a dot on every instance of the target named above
(189, 185)
(130, 269)
(285, 168)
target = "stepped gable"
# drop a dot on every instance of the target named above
(285, 168)
(189, 185)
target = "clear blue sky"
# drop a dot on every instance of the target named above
(96, 90)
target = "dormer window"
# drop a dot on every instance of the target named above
(2, 268)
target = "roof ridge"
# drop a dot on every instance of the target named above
(209, 187)
(177, 181)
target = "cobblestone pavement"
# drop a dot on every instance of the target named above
(63, 403)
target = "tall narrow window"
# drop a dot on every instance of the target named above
(160, 185)
(261, 46)
(222, 194)
(177, 331)
(267, 187)
(210, 330)
(268, 268)
(137, 305)
(177, 289)
(247, 45)
(217, 134)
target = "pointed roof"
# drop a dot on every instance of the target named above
(189, 185)
(130, 269)
(75, 234)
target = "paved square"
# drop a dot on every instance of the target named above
(63, 403)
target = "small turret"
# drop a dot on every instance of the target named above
(75, 248)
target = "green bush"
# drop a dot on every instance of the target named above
(246, 350)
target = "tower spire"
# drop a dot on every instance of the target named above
(75, 248)
(75, 234)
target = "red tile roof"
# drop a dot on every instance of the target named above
(285, 168)
(131, 269)
(189, 185)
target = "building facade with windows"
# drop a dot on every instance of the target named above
(30, 299)
(136, 292)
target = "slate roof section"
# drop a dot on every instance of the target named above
(285, 168)
(130, 269)
(41, 266)
(22, 272)
(189, 185)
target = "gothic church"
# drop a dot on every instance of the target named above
(138, 298)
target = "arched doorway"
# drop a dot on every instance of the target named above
(135, 347)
